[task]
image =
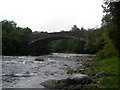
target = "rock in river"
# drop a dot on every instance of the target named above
(53, 84)
(81, 78)
(39, 59)
(76, 79)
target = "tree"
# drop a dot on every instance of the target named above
(8, 25)
(112, 9)
(92, 41)
(82, 28)
(14, 38)
(75, 28)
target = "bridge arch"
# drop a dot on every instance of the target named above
(55, 36)
(35, 40)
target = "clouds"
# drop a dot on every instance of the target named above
(52, 15)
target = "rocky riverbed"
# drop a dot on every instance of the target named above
(34, 71)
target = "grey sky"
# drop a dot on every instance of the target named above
(52, 15)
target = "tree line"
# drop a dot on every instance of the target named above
(13, 38)
(15, 41)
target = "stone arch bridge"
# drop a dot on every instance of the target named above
(34, 40)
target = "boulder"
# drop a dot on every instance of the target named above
(76, 79)
(100, 74)
(52, 84)
(81, 78)
(39, 59)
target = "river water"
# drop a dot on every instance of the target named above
(25, 72)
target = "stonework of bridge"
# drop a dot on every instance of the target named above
(55, 36)
(35, 41)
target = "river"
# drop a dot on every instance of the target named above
(25, 72)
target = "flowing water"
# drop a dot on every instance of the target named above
(25, 72)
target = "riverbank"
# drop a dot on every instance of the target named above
(109, 70)
(103, 74)
(111, 67)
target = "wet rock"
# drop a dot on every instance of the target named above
(52, 73)
(81, 70)
(39, 59)
(53, 84)
(100, 74)
(30, 61)
(51, 62)
(47, 73)
(65, 65)
(27, 72)
(76, 79)
(12, 74)
(77, 60)
(81, 78)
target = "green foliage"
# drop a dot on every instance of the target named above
(13, 38)
(75, 28)
(76, 46)
(68, 46)
(70, 71)
(108, 49)
(111, 66)
(43, 49)
(91, 45)
(112, 20)
(8, 25)
(93, 42)
(108, 82)
(15, 42)
(38, 32)
(111, 33)
(59, 45)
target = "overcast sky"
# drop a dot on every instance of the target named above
(52, 15)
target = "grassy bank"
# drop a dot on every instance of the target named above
(109, 66)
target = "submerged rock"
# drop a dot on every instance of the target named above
(39, 59)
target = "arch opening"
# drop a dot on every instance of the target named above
(59, 44)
